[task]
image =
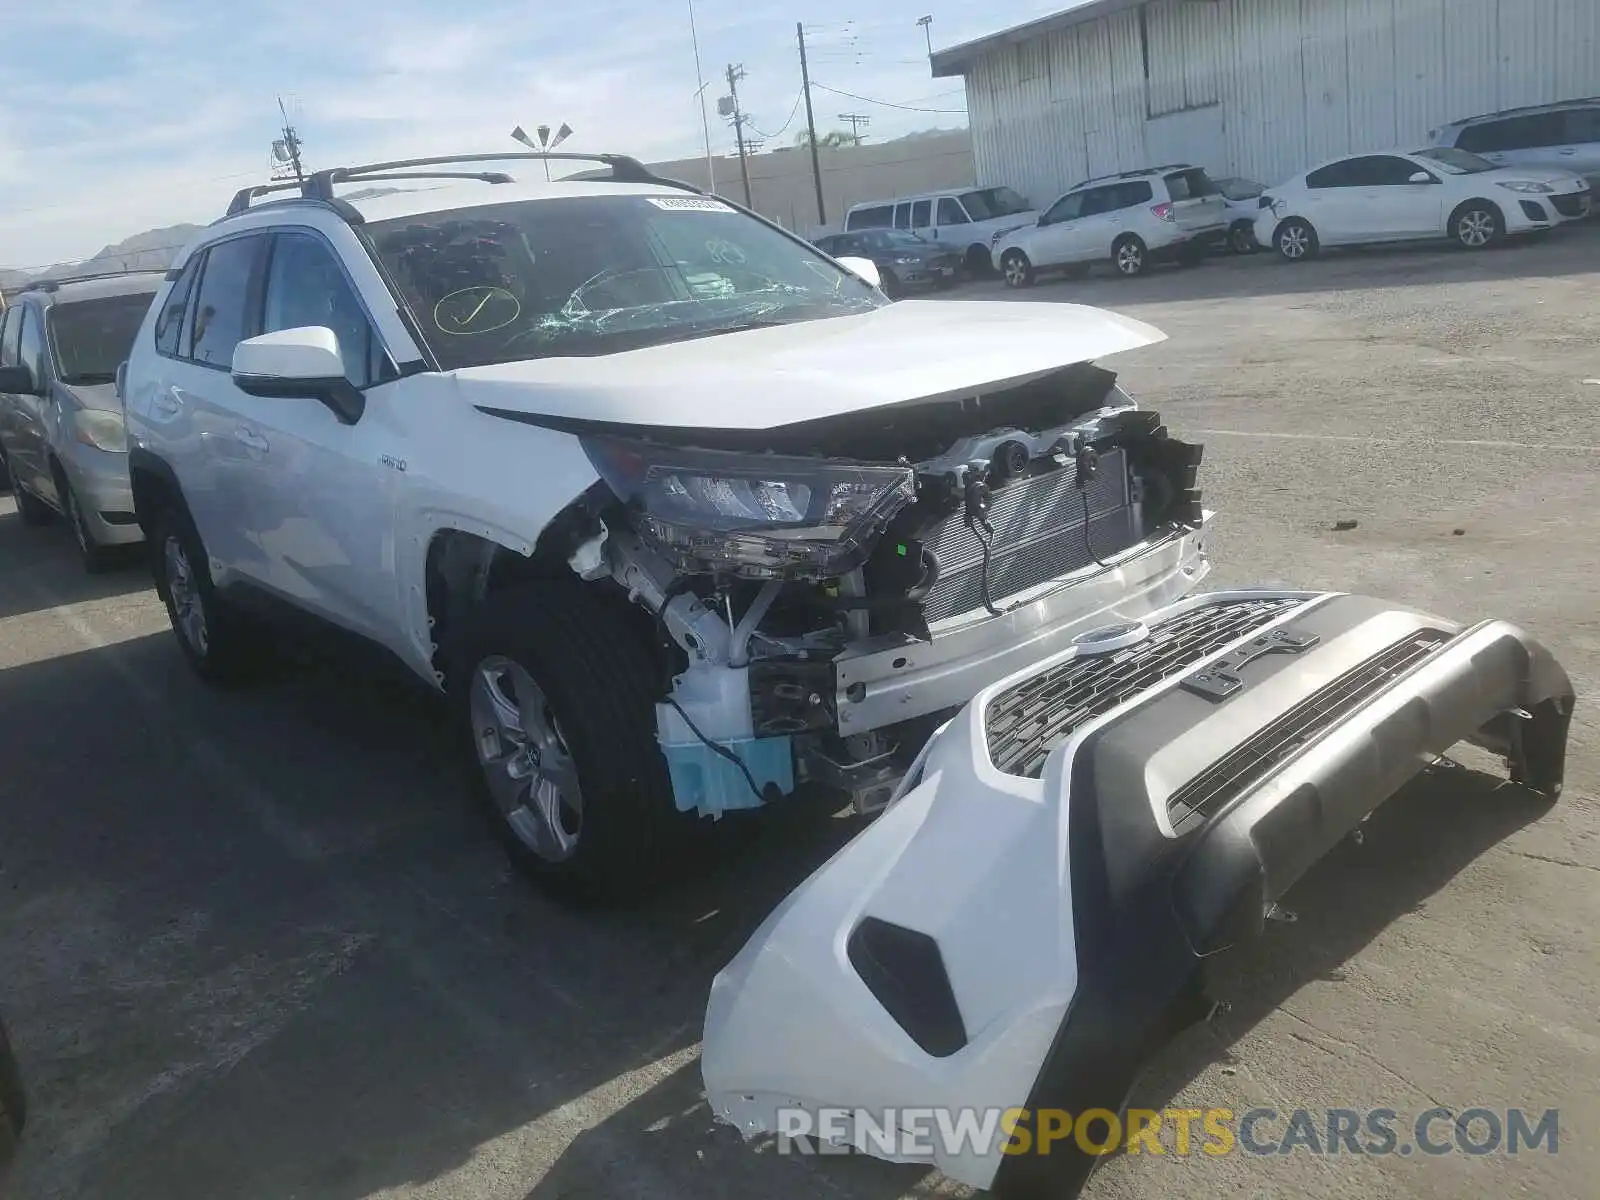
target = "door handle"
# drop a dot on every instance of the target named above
(1569, 152)
(251, 440)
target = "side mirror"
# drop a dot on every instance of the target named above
(863, 268)
(18, 380)
(1421, 177)
(298, 364)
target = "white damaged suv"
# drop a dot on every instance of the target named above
(677, 513)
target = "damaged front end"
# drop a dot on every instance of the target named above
(1025, 926)
(833, 590)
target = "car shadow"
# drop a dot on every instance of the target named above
(46, 554)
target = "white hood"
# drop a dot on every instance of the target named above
(1556, 177)
(764, 378)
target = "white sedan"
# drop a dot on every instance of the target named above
(1435, 193)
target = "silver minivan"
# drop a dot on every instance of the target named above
(62, 438)
(968, 218)
(1564, 135)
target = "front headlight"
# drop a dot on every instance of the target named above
(100, 429)
(907, 260)
(761, 516)
(1527, 185)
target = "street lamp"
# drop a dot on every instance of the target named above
(927, 32)
(545, 142)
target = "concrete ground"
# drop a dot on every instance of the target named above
(257, 945)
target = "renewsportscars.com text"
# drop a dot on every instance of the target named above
(920, 1133)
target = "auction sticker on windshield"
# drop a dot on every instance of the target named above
(688, 204)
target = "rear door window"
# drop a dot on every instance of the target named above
(1134, 193)
(1582, 126)
(224, 314)
(880, 216)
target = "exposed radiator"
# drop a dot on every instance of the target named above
(1038, 536)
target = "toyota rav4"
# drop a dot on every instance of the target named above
(679, 513)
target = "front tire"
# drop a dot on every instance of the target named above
(1016, 269)
(31, 509)
(1477, 225)
(97, 559)
(554, 694)
(979, 264)
(217, 642)
(1296, 240)
(1129, 257)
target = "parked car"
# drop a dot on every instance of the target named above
(905, 261)
(968, 217)
(62, 437)
(13, 1101)
(1241, 197)
(1131, 220)
(665, 549)
(1365, 199)
(1563, 136)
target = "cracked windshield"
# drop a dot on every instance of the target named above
(725, 600)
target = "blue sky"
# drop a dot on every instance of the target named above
(117, 116)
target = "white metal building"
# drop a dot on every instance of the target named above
(1260, 88)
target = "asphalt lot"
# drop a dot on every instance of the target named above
(257, 945)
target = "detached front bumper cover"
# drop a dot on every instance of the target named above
(1024, 926)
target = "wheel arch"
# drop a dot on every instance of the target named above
(1492, 205)
(465, 561)
(155, 486)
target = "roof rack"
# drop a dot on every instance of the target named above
(319, 186)
(1523, 108)
(54, 285)
(1135, 174)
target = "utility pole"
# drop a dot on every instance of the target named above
(927, 32)
(811, 124)
(705, 121)
(857, 124)
(291, 143)
(736, 73)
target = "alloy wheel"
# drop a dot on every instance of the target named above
(1294, 242)
(1016, 270)
(188, 606)
(1475, 229)
(1130, 258)
(525, 760)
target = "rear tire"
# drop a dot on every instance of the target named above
(1129, 256)
(221, 645)
(1477, 225)
(1295, 240)
(1016, 269)
(1242, 238)
(581, 797)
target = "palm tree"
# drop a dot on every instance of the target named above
(828, 141)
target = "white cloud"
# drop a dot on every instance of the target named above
(171, 105)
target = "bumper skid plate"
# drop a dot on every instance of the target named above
(1025, 925)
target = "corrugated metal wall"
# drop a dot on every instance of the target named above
(1295, 81)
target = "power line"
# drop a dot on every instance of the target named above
(883, 103)
(858, 122)
(772, 137)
